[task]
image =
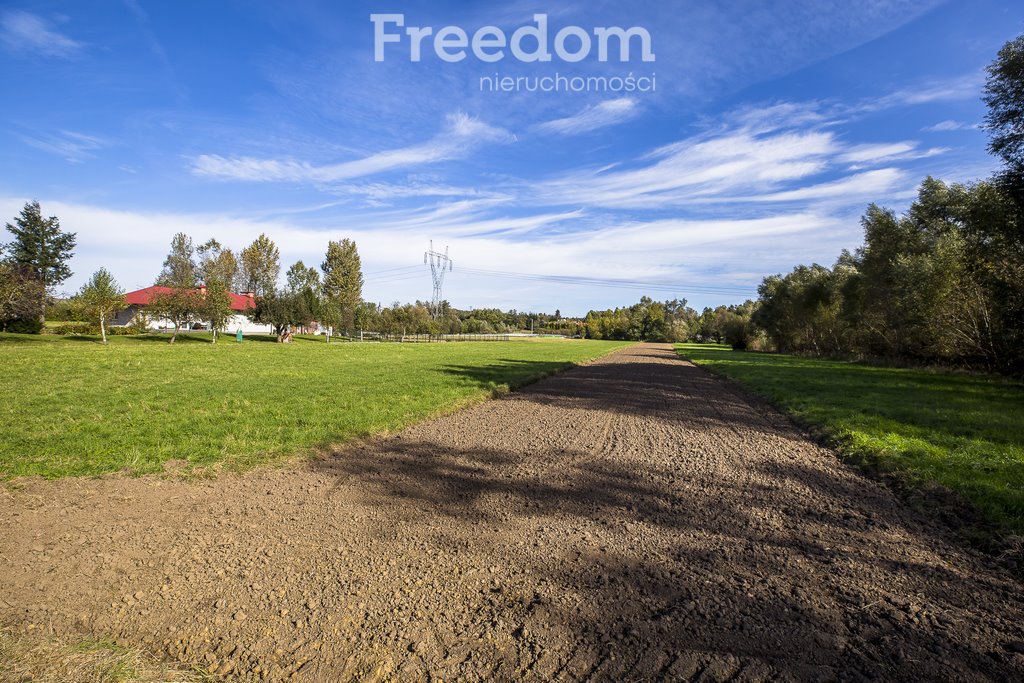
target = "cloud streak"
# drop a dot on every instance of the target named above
(783, 152)
(948, 125)
(73, 147)
(960, 88)
(29, 35)
(607, 113)
(461, 136)
(698, 168)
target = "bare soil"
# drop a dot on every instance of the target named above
(633, 519)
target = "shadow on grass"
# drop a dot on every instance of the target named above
(15, 338)
(272, 338)
(113, 339)
(186, 338)
(510, 372)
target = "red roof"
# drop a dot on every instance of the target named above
(143, 297)
(241, 302)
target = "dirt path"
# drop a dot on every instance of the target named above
(634, 519)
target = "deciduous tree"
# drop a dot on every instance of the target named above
(218, 263)
(260, 266)
(303, 283)
(215, 305)
(182, 304)
(21, 295)
(179, 271)
(101, 298)
(1004, 95)
(342, 281)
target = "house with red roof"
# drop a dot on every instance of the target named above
(138, 300)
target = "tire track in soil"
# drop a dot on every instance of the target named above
(633, 519)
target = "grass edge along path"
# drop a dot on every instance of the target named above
(918, 426)
(77, 408)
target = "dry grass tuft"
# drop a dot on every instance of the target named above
(44, 658)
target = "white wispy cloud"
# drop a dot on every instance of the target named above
(29, 35)
(861, 156)
(948, 125)
(782, 152)
(145, 28)
(766, 118)
(460, 137)
(469, 218)
(876, 152)
(385, 192)
(72, 146)
(702, 167)
(607, 113)
(963, 87)
(869, 184)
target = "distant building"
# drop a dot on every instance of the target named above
(140, 298)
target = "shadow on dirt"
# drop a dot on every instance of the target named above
(740, 556)
(652, 580)
(688, 396)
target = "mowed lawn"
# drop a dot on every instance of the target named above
(964, 431)
(75, 407)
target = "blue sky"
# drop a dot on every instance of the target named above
(769, 129)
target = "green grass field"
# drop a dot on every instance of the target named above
(72, 406)
(965, 432)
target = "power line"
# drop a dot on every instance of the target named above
(375, 273)
(440, 264)
(388, 280)
(610, 282)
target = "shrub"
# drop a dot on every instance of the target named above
(739, 332)
(475, 326)
(73, 328)
(24, 326)
(65, 310)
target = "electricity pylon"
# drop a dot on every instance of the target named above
(439, 264)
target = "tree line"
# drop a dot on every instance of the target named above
(943, 282)
(671, 321)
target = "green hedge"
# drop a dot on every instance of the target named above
(73, 328)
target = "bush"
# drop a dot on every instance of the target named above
(65, 310)
(475, 326)
(739, 332)
(24, 326)
(73, 328)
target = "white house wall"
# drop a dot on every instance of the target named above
(247, 326)
(235, 322)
